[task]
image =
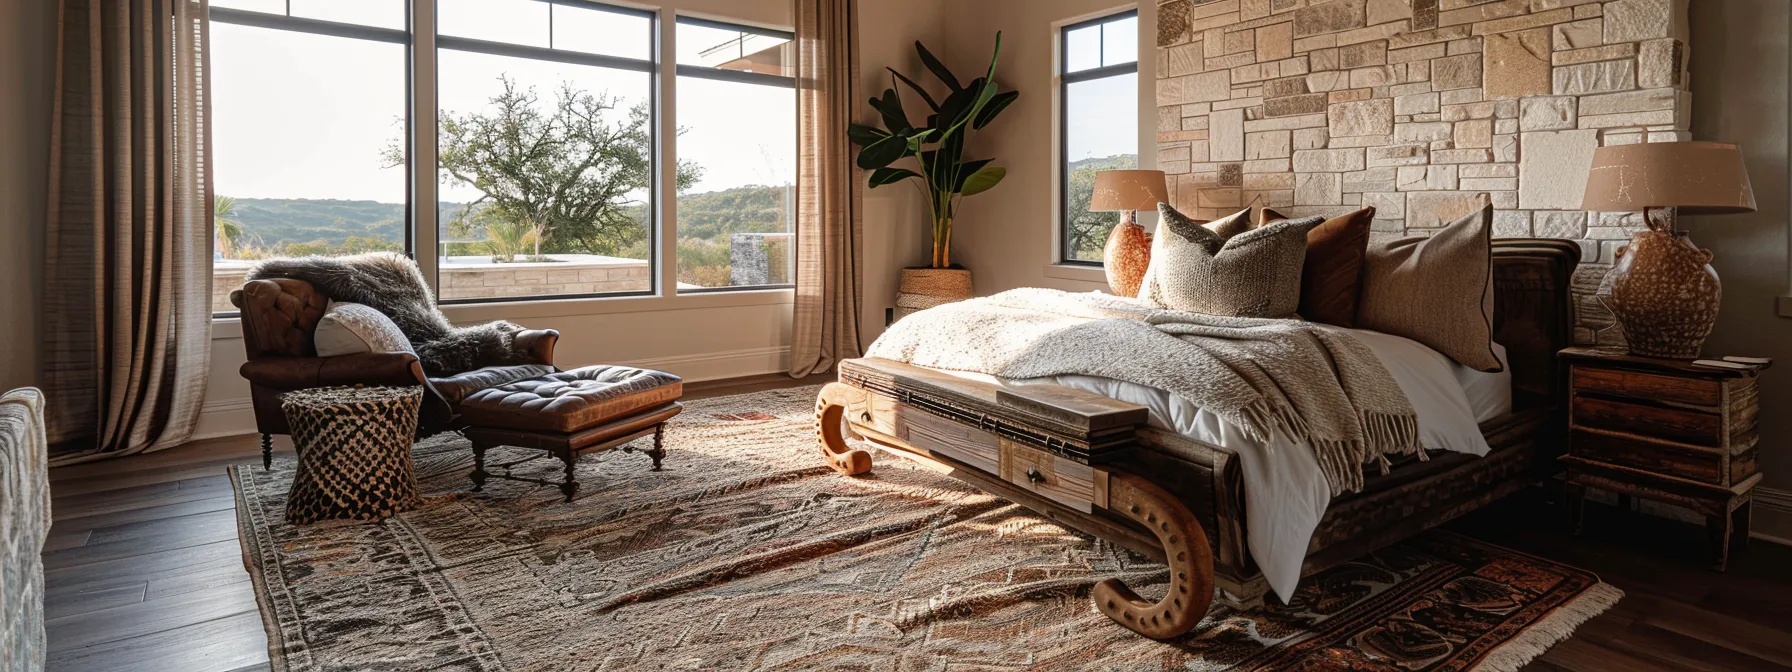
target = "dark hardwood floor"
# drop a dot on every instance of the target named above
(144, 572)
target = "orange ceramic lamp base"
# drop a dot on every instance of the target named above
(1126, 255)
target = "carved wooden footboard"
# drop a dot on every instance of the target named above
(1048, 448)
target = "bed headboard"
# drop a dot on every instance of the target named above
(1533, 313)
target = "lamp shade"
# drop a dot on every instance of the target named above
(1128, 190)
(1698, 178)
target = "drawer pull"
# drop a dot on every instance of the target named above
(1034, 475)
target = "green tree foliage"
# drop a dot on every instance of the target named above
(1089, 230)
(569, 167)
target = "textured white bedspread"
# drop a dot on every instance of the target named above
(1285, 493)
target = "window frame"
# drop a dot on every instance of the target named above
(651, 66)
(1065, 79)
(299, 24)
(738, 77)
(421, 136)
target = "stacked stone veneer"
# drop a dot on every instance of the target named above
(1419, 107)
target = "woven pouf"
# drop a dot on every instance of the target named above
(354, 446)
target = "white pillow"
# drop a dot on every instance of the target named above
(351, 328)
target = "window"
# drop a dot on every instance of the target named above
(737, 156)
(1099, 83)
(544, 118)
(544, 150)
(306, 107)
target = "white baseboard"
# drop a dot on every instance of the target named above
(225, 417)
(719, 365)
(1772, 516)
(236, 416)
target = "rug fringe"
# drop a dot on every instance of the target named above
(1550, 630)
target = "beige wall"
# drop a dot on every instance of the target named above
(1006, 236)
(895, 216)
(1739, 76)
(27, 47)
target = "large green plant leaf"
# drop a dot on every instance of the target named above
(958, 107)
(1000, 102)
(883, 176)
(865, 136)
(883, 153)
(985, 179)
(936, 67)
(890, 107)
(917, 87)
(966, 170)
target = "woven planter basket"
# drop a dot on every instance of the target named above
(923, 288)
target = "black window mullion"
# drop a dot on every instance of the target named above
(542, 53)
(303, 25)
(1065, 78)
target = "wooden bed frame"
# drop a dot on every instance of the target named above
(1093, 464)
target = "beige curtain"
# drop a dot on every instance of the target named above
(128, 258)
(828, 225)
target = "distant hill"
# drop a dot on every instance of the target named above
(310, 224)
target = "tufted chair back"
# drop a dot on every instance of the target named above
(279, 316)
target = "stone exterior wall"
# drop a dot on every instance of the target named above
(1419, 107)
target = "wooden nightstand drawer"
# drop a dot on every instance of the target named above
(1705, 465)
(1700, 392)
(1673, 424)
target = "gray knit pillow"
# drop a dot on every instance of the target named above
(1253, 274)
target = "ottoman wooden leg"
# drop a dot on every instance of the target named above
(659, 450)
(479, 473)
(267, 451)
(569, 486)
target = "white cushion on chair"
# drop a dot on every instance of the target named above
(351, 328)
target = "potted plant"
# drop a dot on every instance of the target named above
(938, 167)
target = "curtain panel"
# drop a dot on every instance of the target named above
(825, 326)
(128, 259)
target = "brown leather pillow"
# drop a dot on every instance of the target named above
(1331, 278)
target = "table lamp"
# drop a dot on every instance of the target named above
(1128, 250)
(1662, 290)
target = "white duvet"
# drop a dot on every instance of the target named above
(1285, 494)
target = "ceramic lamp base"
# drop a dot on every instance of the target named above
(1664, 294)
(1126, 255)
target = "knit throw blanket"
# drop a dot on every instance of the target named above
(1313, 383)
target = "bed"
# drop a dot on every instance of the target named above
(1100, 465)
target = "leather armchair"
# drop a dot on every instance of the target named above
(280, 317)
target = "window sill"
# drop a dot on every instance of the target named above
(467, 313)
(1077, 272)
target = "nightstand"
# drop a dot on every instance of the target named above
(1664, 430)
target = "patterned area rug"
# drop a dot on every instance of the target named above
(746, 553)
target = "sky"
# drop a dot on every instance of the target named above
(306, 116)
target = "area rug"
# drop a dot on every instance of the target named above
(746, 553)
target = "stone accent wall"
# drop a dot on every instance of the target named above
(1419, 107)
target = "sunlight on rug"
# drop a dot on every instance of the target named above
(747, 553)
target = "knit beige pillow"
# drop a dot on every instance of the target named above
(1437, 291)
(1255, 273)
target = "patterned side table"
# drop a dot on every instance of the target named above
(354, 446)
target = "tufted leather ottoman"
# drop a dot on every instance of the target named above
(569, 414)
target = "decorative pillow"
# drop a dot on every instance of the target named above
(1331, 278)
(351, 328)
(1437, 291)
(1252, 274)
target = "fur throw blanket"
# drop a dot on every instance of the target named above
(1308, 381)
(391, 284)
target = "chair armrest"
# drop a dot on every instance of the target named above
(295, 373)
(539, 343)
